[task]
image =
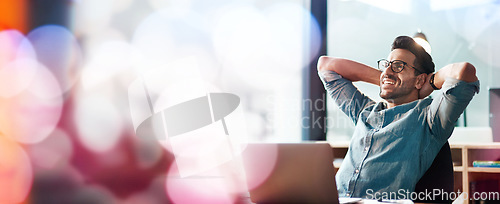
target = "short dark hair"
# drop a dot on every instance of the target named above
(423, 60)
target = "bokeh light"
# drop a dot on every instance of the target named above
(198, 150)
(95, 40)
(155, 40)
(240, 34)
(17, 63)
(199, 189)
(14, 45)
(178, 82)
(110, 59)
(16, 173)
(30, 116)
(53, 152)
(169, 35)
(261, 44)
(98, 120)
(121, 5)
(201, 149)
(161, 4)
(292, 25)
(58, 49)
(16, 76)
(64, 94)
(94, 15)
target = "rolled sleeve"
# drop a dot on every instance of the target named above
(447, 107)
(349, 99)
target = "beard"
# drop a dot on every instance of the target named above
(396, 93)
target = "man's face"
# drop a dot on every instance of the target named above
(398, 87)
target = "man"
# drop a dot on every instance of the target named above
(395, 141)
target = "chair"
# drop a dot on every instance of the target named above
(438, 176)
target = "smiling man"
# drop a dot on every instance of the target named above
(396, 140)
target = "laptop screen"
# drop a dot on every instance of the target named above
(298, 172)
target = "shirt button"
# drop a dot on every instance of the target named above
(357, 170)
(348, 195)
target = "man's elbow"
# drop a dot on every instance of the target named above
(322, 62)
(466, 72)
(325, 63)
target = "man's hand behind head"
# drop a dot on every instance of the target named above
(426, 89)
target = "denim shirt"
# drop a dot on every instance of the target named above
(393, 147)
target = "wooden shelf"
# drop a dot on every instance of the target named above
(493, 145)
(464, 155)
(484, 169)
(343, 144)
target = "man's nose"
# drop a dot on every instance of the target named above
(388, 70)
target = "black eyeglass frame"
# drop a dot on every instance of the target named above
(390, 63)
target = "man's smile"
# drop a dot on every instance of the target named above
(388, 82)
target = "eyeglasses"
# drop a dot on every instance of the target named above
(396, 65)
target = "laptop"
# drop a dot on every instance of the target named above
(290, 173)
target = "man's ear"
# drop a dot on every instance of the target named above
(421, 79)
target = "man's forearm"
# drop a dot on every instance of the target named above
(349, 69)
(462, 71)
